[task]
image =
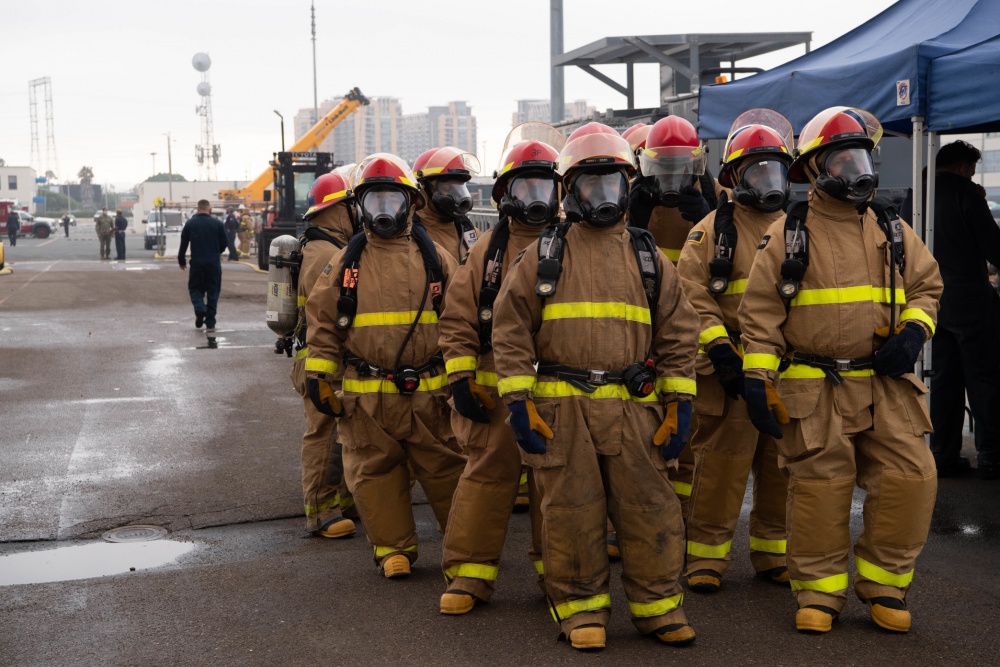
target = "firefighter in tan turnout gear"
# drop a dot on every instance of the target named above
(714, 266)
(672, 192)
(603, 314)
(857, 297)
(373, 321)
(327, 499)
(526, 193)
(443, 174)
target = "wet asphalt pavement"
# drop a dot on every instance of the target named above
(115, 413)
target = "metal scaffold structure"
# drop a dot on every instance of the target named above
(51, 162)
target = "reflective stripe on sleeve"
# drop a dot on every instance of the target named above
(857, 294)
(379, 385)
(736, 287)
(837, 582)
(658, 608)
(758, 360)
(516, 383)
(460, 364)
(919, 316)
(486, 379)
(567, 609)
(880, 576)
(714, 551)
(302, 354)
(321, 366)
(711, 333)
(394, 318)
(680, 385)
(590, 309)
(768, 546)
(472, 571)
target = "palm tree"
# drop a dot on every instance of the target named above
(86, 175)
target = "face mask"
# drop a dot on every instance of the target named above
(667, 187)
(531, 199)
(598, 199)
(451, 197)
(384, 210)
(763, 186)
(847, 174)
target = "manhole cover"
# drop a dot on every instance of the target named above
(134, 534)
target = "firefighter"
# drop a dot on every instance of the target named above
(603, 315)
(714, 265)
(526, 193)
(857, 298)
(245, 232)
(443, 174)
(329, 506)
(672, 191)
(373, 322)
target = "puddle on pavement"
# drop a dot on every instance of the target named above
(88, 561)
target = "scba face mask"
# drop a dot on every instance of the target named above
(384, 210)
(451, 197)
(763, 185)
(847, 174)
(531, 199)
(599, 199)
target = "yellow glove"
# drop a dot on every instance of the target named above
(323, 397)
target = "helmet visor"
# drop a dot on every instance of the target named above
(383, 200)
(848, 163)
(602, 196)
(531, 131)
(766, 181)
(672, 160)
(451, 196)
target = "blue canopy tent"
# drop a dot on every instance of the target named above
(951, 106)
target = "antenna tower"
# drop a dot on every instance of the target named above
(51, 158)
(208, 151)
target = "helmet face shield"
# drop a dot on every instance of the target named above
(763, 185)
(847, 174)
(671, 169)
(533, 197)
(451, 196)
(384, 210)
(600, 199)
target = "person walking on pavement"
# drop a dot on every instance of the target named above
(245, 233)
(13, 226)
(121, 224)
(232, 225)
(714, 266)
(526, 194)
(373, 321)
(443, 174)
(602, 313)
(105, 227)
(856, 299)
(327, 500)
(965, 350)
(65, 224)
(207, 238)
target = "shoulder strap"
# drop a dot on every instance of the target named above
(550, 254)
(644, 246)
(720, 268)
(435, 275)
(796, 250)
(492, 276)
(318, 234)
(347, 304)
(468, 236)
(892, 227)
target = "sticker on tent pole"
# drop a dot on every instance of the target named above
(903, 93)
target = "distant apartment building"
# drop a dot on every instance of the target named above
(540, 110)
(381, 127)
(18, 183)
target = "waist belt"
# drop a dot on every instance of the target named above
(585, 380)
(366, 369)
(832, 367)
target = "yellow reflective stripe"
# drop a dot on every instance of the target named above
(672, 254)
(880, 576)
(680, 385)
(516, 383)
(682, 488)
(394, 318)
(486, 379)
(658, 608)
(918, 315)
(321, 366)
(346, 502)
(472, 571)
(301, 301)
(768, 546)
(858, 293)
(523, 479)
(460, 364)
(716, 551)
(755, 360)
(387, 387)
(332, 502)
(803, 372)
(567, 609)
(334, 195)
(711, 333)
(562, 389)
(591, 309)
(736, 287)
(430, 171)
(302, 354)
(837, 582)
(539, 566)
(381, 552)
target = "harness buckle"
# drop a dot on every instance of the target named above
(597, 377)
(841, 365)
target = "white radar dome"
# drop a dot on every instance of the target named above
(201, 62)
(204, 89)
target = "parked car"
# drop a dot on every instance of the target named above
(40, 228)
(172, 223)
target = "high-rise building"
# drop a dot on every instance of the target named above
(540, 110)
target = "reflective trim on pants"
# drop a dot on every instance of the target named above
(837, 582)
(768, 546)
(567, 609)
(658, 608)
(715, 551)
(682, 488)
(382, 552)
(880, 576)
(539, 566)
(472, 571)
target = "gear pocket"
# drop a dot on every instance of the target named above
(555, 449)
(910, 392)
(298, 376)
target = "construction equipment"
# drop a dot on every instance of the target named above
(253, 194)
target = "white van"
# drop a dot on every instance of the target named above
(172, 223)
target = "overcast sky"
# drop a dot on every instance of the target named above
(122, 76)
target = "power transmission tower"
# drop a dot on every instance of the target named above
(51, 157)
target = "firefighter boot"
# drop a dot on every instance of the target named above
(337, 527)
(587, 637)
(456, 602)
(395, 566)
(814, 618)
(889, 613)
(677, 631)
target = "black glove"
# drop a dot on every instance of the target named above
(323, 398)
(470, 399)
(728, 365)
(900, 352)
(692, 204)
(764, 407)
(640, 204)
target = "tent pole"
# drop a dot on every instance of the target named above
(918, 164)
(932, 149)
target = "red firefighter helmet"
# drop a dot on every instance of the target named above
(529, 146)
(755, 132)
(327, 190)
(447, 161)
(672, 147)
(836, 125)
(385, 169)
(636, 135)
(421, 160)
(595, 145)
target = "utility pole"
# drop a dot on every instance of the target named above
(557, 86)
(282, 129)
(312, 7)
(154, 162)
(170, 171)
